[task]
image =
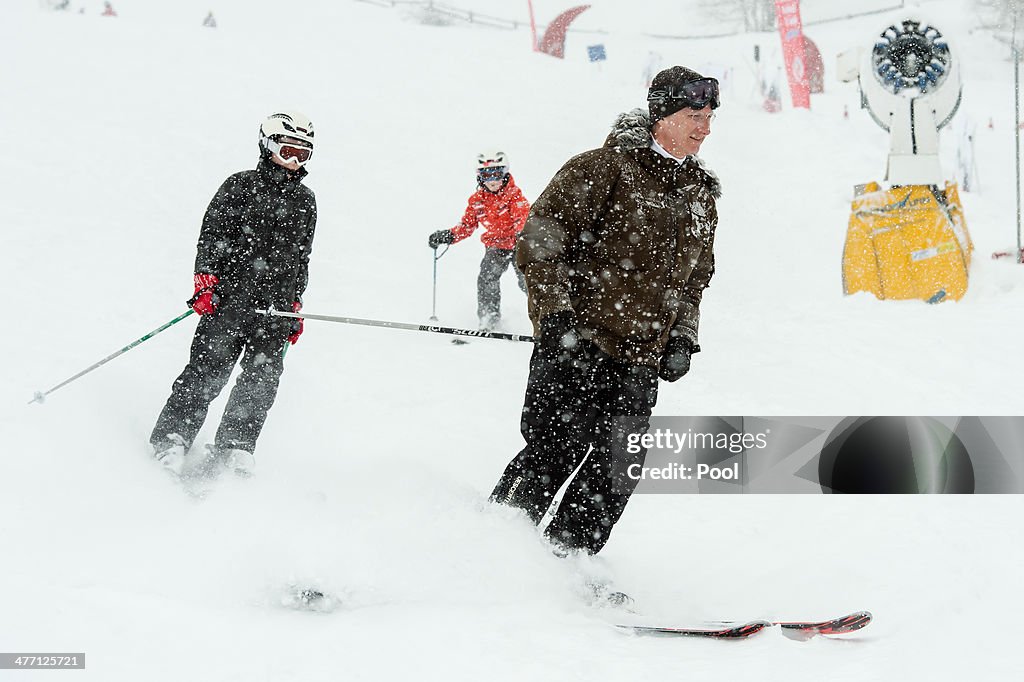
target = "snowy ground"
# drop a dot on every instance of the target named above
(377, 459)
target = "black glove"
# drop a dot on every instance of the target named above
(558, 331)
(675, 359)
(440, 237)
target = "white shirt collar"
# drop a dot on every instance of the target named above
(661, 150)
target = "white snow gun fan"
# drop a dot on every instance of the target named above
(908, 240)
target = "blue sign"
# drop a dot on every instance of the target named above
(596, 53)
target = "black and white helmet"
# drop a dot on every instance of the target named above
(491, 159)
(492, 166)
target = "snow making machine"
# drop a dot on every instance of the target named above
(907, 239)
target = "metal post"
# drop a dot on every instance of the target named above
(1016, 126)
(1016, 122)
(1017, 145)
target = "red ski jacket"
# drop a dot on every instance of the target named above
(502, 216)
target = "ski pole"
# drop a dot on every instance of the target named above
(433, 301)
(40, 395)
(403, 325)
(433, 307)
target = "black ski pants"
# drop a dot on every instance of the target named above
(488, 287)
(218, 342)
(569, 417)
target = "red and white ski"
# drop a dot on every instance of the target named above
(732, 632)
(836, 626)
(800, 630)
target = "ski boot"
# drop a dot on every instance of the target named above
(240, 462)
(489, 321)
(170, 453)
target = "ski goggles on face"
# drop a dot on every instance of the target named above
(695, 94)
(290, 151)
(491, 174)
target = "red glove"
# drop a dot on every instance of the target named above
(204, 301)
(296, 327)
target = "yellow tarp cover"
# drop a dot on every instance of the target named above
(907, 242)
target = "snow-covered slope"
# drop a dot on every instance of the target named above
(376, 461)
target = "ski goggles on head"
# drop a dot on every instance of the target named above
(491, 174)
(695, 94)
(290, 151)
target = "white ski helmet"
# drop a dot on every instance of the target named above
(491, 159)
(290, 123)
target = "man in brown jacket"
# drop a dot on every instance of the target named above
(616, 252)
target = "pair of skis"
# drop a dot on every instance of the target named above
(311, 599)
(792, 629)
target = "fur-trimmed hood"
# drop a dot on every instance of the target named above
(631, 131)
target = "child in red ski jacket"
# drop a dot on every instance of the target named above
(498, 206)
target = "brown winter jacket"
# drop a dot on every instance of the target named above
(624, 237)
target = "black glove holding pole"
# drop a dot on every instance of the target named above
(440, 237)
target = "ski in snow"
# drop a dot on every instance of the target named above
(733, 632)
(800, 630)
(836, 626)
